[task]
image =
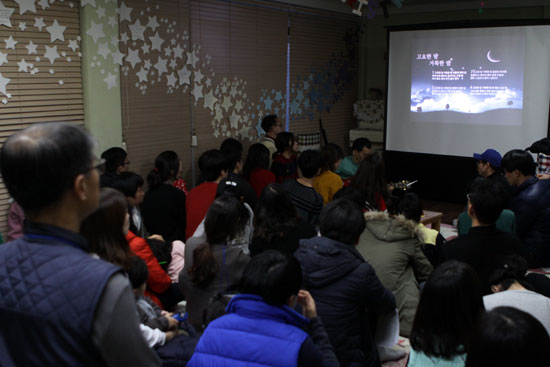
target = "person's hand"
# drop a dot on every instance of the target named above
(157, 237)
(171, 334)
(172, 322)
(543, 176)
(165, 313)
(308, 304)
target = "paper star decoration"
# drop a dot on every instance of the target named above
(25, 6)
(3, 58)
(3, 84)
(238, 105)
(234, 120)
(210, 100)
(197, 92)
(111, 81)
(22, 26)
(184, 76)
(192, 58)
(95, 31)
(31, 48)
(142, 75)
(10, 43)
(100, 12)
(178, 52)
(44, 4)
(7, 12)
(23, 65)
(198, 76)
(137, 31)
(133, 57)
(38, 23)
(56, 31)
(226, 103)
(152, 23)
(124, 12)
(117, 57)
(103, 50)
(156, 42)
(171, 80)
(83, 3)
(73, 45)
(51, 53)
(161, 66)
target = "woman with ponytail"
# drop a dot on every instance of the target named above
(163, 207)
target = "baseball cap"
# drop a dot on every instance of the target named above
(491, 156)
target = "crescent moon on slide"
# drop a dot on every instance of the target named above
(490, 58)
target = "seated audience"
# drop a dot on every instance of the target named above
(213, 167)
(213, 267)
(285, 164)
(163, 207)
(370, 181)
(530, 202)
(359, 150)
(16, 221)
(116, 162)
(328, 182)
(261, 328)
(272, 127)
(484, 246)
(256, 168)
(511, 288)
(506, 222)
(59, 305)
(130, 184)
(307, 201)
(276, 224)
(488, 166)
(449, 308)
(345, 287)
(391, 245)
(232, 150)
(508, 337)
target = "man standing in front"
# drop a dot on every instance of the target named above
(530, 202)
(58, 305)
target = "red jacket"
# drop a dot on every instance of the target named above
(158, 280)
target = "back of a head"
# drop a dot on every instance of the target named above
(268, 122)
(212, 163)
(283, 141)
(370, 178)
(521, 160)
(449, 306)
(114, 158)
(330, 155)
(348, 192)
(360, 143)
(488, 199)
(275, 213)
(309, 163)
(343, 221)
(508, 337)
(225, 219)
(257, 157)
(137, 272)
(128, 183)
(410, 206)
(511, 269)
(39, 164)
(167, 165)
(232, 150)
(273, 276)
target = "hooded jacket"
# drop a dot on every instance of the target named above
(392, 247)
(345, 287)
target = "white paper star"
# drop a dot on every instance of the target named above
(238, 106)
(156, 42)
(152, 23)
(219, 114)
(124, 12)
(171, 80)
(142, 75)
(209, 100)
(3, 58)
(111, 20)
(117, 56)
(226, 103)
(111, 81)
(56, 31)
(22, 65)
(22, 26)
(6, 12)
(83, 3)
(137, 31)
(100, 12)
(34, 71)
(124, 37)
(147, 64)
(178, 52)
(191, 58)
(198, 76)
(115, 41)
(234, 120)
(51, 53)
(44, 4)
(197, 92)
(161, 66)
(39, 23)
(184, 75)
(31, 48)
(25, 6)
(133, 57)
(167, 51)
(3, 84)
(173, 63)
(10, 43)
(103, 50)
(52, 71)
(61, 82)
(73, 45)
(95, 31)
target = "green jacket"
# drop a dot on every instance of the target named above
(391, 246)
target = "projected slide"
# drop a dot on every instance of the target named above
(481, 75)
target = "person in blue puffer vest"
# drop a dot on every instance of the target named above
(261, 328)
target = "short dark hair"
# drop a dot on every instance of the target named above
(521, 160)
(226, 219)
(53, 153)
(273, 276)
(360, 143)
(343, 221)
(511, 269)
(449, 307)
(284, 141)
(309, 163)
(257, 157)
(137, 271)
(128, 183)
(330, 155)
(212, 163)
(167, 165)
(508, 337)
(488, 198)
(268, 122)
(410, 206)
(275, 213)
(114, 158)
(232, 149)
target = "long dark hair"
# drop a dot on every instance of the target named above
(284, 140)
(449, 307)
(330, 155)
(275, 213)
(370, 179)
(103, 228)
(512, 268)
(205, 267)
(258, 157)
(167, 165)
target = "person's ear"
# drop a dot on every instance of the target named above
(291, 302)
(80, 187)
(471, 211)
(495, 288)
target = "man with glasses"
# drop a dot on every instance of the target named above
(59, 306)
(488, 166)
(116, 162)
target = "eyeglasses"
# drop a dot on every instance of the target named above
(126, 163)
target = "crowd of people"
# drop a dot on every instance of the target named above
(285, 258)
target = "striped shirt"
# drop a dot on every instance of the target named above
(307, 201)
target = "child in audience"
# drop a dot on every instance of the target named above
(116, 162)
(256, 168)
(328, 182)
(449, 307)
(370, 181)
(508, 337)
(307, 201)
(131, 185)
(285, 164)
(163, 206)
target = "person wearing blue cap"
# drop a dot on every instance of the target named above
(488, 166)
